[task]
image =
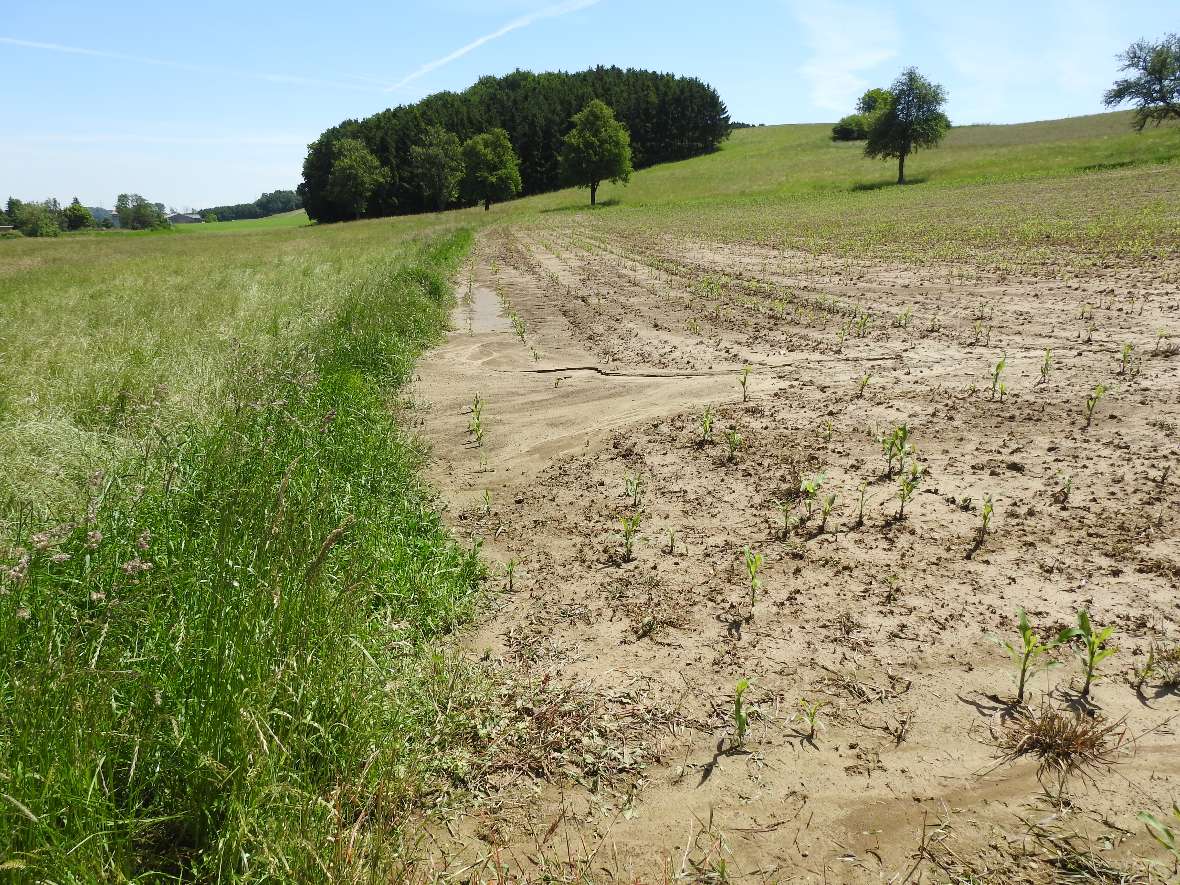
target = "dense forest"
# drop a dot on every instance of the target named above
(669, 118)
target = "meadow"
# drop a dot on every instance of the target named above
(232, 600)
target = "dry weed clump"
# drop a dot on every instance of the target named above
(1065, 744)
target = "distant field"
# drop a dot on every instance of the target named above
(298, 218)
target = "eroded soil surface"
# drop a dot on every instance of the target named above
(590, 410)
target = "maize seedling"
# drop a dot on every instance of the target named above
(860, 506)
(903, 318)
(1162, 832)
(1092, 402)
(864, 382)
(787, 509)
(630, 530)
(1125, 359)
(999, 368)
(1046, 366)
(1030, 653)
(809, 715)
(753, 564)
(671, 540)
(741, 719)
(487, 502)
(707, 426)
(896, 446)
(1061, 496)
(825, 511)
(734, 440)
(1094, 647)
(744, 381)
(634, 485)
(809, 488)
(510, 572)
(907, 486)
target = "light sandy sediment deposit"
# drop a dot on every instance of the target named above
(591, 405)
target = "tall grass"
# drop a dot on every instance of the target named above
(226, 666)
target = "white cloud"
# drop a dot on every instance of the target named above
(846, 40)
(516, 24)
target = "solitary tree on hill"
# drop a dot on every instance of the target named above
(597, 149)
(491, 169)
(355, 174)
(437, 165)
(1155, 85)
(913, 119)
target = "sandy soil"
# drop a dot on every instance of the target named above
(884, 620)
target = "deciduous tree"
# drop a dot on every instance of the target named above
(491, 169)
(913, 119)
(597, 149)
(1154, 86)
(437, 166)
(356, 173)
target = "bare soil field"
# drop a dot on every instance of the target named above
(651, 559)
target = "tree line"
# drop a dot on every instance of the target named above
(48, 218)
(268, 204)
(407, 155)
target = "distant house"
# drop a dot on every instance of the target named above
(186, 218)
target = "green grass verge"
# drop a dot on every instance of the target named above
(232, 653)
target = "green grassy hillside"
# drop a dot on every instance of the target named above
(297, 218)
(1087, 188)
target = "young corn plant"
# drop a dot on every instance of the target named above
(753, 565)
(510, 572)
(741, 719)
(896, 447)
(487, 502)
(744, 381)
(996, 372)
(1064, 490)
(809, 715)
(1125, 359)
(862, 384)
(860, 504)
(985, 520)
(809, 488)
(733, 439)
(825, 511)
(1030, 654)
(634, 486)
(787, 508)
(707, 426)
(907, 486)
(1095, 649)
(1162, 831)
(1046, 366)
(1092, 402)
(630, 530)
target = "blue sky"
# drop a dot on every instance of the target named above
(195, 104)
